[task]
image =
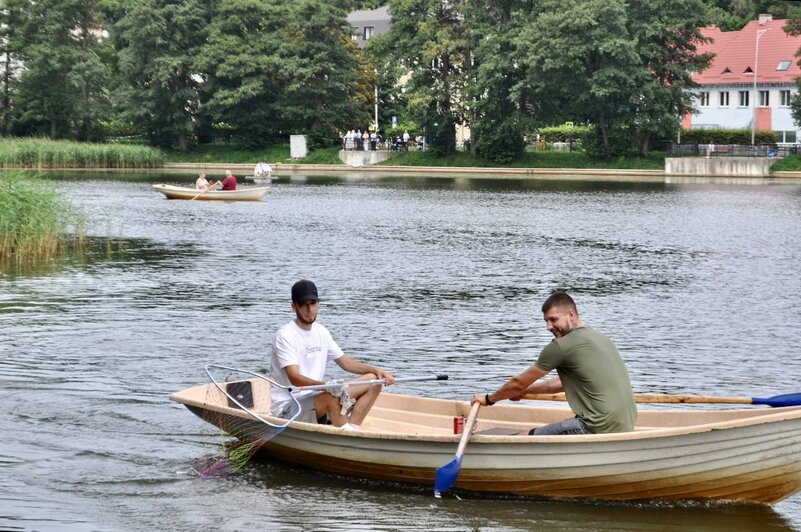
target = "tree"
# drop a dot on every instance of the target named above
(62, 91)
(667, 34)
(497, 120)
(158, 41)
(12, 18)
(620, 66)
(428, 39)
(276, 67)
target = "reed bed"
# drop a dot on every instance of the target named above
(41, 153)
(36, 223)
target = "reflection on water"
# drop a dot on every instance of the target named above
(339, 503)
(98, 252)
(697, 284)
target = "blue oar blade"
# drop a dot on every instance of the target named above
(446, 475)
(788, 399)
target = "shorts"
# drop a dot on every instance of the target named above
(286, 409)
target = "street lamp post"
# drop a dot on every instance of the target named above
(756, 67)
(376, 100)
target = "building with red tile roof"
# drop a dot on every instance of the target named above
(761, 52)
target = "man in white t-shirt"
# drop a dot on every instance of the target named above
(301, 351)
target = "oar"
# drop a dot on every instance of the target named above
(788, 399)
(207, 189)
(446, 475)
(333, 385)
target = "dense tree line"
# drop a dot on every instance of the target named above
(182, 71)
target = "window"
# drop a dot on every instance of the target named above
(783, 65)
(789, 137)
(355, 35)
(764, 98)
(743, 99)
(703, 97)
(724, 98)
(784, 98)
(368, 32)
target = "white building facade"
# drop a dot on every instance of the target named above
(750, 81)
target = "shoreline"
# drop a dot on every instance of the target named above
(450, 170)
(603, 174)
(469, 172)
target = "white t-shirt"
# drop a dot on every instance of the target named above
(309, 350)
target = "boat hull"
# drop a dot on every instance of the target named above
(240, 194)
(751, 455)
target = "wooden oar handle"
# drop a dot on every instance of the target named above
(654, 398)
(468, 429)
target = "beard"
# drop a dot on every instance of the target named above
(303, 320)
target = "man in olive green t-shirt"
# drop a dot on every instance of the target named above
(589, 370)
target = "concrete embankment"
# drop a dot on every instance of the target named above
(244, 169)
(449, 171)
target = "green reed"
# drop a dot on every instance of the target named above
(44, 153)
(36, 222)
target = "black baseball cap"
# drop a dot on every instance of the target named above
(303, 291)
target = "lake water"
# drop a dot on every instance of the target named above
(697, 283)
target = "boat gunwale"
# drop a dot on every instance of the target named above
(771, 415)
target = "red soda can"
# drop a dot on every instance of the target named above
(458, 424)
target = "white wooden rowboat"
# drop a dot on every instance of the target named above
(748, 455)
(240, 194)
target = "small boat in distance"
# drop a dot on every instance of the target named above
(240, 194)
(262, 173)
(748, 455)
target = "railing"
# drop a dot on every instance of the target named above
(732, 150)
(383, 144)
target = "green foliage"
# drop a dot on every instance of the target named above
(253, 71)
(791, 163)
(563, 133)
(795, 99)
(221, 152)
(158, 42)
(626, 75)
(276, 67)
(34, 219)
(63, 91)
(727, 136)
(428, 38)
(500, 141)
(397, 131)
(225, 152)
(618, 142)
(656, 161)
(498, 122)
(45, 153)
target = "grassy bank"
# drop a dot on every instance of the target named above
(224, 153)
(546, 159)
(791, 163)
(44, 153)
(35, 220)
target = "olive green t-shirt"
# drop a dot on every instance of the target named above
(595, 379)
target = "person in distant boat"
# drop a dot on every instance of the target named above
(301, 350)
(229, 182)
(589, 370)
(202, 183)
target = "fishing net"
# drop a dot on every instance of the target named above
(248, 394)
